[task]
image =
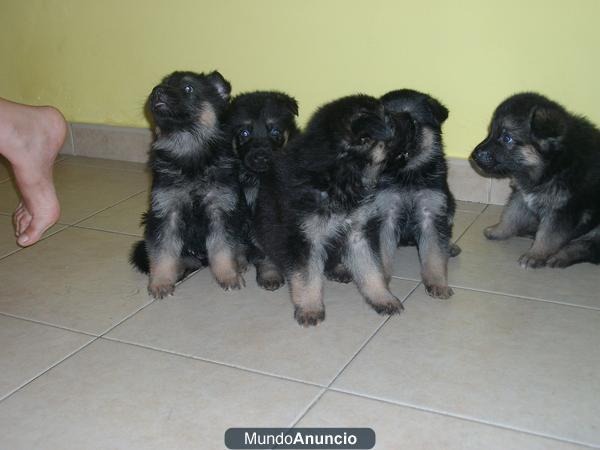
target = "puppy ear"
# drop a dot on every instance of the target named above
(369, 125)
(291, 104)
(404, 126)
(547, 123)
(440, 112)
(221, 84)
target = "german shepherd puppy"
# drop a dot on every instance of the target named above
(313, 199)
(413, 196)
(259, 125)
(552, 158)
(196, 211)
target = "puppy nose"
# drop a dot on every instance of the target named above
(158, 95)
(261, 158)
(482, 156)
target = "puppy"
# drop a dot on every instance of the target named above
(415, 203)
(259, 124)
(552, 159)
(196, 211)
(313, 199)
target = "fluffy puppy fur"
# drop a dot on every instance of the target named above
(196, 211)
(259, 125)
(314, 198)
(415, 201)
(552, 158)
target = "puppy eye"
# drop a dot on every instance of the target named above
(188, 89)
(244, 133)
(274, 132)
(506, 138)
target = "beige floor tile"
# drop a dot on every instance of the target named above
(83, 190)
(29, 348)
(104, 163)
(402, 427)
(492, 266)
(124, 217)
(254, 328)
(79, 279)
(406, 263)
(112, 395)
(523, 364)
(8, 243)
(470, 206)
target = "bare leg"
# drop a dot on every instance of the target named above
(516, 220)
(30, 138)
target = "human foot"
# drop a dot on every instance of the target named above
(30, 138)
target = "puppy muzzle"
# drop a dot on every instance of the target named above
(483, 158)
(258, 160)
(159, 100)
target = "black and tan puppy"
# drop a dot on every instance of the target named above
(552, 158)
(259, 124)
(415, 202)
(313, 199)
(197, 211)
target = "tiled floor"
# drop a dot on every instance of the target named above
(87, 361)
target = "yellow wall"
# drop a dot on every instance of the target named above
(97, 60)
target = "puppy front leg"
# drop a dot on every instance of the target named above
(267, 275)
(434, 265)
(554, 232)
(369, 276)
(335, 270)
(163, 245)
(306, 287)
(387, 248)
(516, 219)
(223, 259)
(165, 269)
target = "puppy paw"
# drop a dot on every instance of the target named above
(271, 281)
(160, 289)
(386, 306)
(531, 260)
(561, 260)
(454, 250)
(339, 273)
(441, 292)
(234, 281)
(494, 234)
(309, 317)
(242, 264)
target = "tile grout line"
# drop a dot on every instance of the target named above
(104, 209)
(471, 224)
(524, 297)
(48, 324)
(52, 366)
(121, 233)
(95, 338)
(70, 162)
(43, 238)
(352, 358)
(458, 416)
(212, 361)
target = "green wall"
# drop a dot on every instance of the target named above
(98, 60)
